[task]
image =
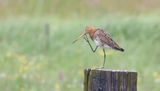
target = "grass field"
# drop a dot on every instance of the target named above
(27, 64)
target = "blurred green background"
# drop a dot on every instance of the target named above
(36, 50)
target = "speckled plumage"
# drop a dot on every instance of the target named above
(104, 40)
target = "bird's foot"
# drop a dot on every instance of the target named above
(99, 68)
(86, 38)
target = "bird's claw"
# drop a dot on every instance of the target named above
(85, 37)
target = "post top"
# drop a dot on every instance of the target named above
(110, 70)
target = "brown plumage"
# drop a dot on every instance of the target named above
(102, 39)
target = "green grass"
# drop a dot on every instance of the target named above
(27, 65)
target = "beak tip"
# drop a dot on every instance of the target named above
(74, 41)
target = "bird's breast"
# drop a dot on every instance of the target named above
(98, 42)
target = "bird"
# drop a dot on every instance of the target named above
(101, 38)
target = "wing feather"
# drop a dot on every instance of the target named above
(106, 39)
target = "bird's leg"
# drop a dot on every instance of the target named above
(104, 57)
(93, 50)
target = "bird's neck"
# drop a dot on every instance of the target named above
(91, 34)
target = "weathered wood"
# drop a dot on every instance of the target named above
(109, 80)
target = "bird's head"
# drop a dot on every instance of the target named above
(88, 30)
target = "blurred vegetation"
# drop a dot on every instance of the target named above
(36, 37)
(70, 8)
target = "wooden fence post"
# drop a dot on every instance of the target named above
(47, 36)
(109, 80)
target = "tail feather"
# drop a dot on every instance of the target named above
(120, 49)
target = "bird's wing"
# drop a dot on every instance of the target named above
(105, 38)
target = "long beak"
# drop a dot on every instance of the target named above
(82, 34)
